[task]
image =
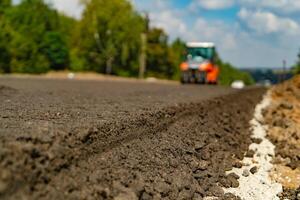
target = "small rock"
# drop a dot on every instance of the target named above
(225, 183)
(282, 123)
(189, 151)
(240, 155)
(103, 192)
(180, 180)
(197, 196)
(199, 190)
(253, 170)
(174, 163)
(205, 155)
(250, 154)
(203, 165)
(235, 183)
(228, 167)
(238, 164)
(246, 173)
(229, 196)
(233, 178)
(194, 165)
(197, 175)
(293, 164)
(286, 105)
(162, 188)
(234, 175)
(146, 196)
(256, 140)
(85, 136)
(216, 191)
(35, 153)
(199, 145)
(185, 194)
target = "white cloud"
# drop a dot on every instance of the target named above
(282, 6)
(215, 31)
(69, 7)
(214, 4)
(201, 30)
(235, 44)
(151, 5)
(163, 16)
(264, 22)
(170, 21)
(286, 6)
(244, 49)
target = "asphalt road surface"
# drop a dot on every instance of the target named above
(67, 139)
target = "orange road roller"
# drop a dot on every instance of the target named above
(199, 64)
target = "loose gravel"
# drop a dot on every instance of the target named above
(63, 139)
(254, 177)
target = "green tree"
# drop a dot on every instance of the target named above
(229, 74)
(296, 68)
(157, 54)
(34, 23)
(108, 37)
(66, 28)
(175, 57)
(5, 56)
(56, 50)
(4, 5)
(26, 56)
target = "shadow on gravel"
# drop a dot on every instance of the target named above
(6, 90)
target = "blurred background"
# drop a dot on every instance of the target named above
(256, 40)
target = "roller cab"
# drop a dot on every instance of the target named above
(198, 65)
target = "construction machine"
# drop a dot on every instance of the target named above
(199, 64)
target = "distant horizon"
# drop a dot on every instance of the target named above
(265, 68)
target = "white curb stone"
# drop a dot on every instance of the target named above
(258, 186)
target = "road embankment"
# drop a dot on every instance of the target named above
(283, 119)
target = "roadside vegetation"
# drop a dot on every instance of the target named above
(229, 74)
(296, 68)
(36, 38)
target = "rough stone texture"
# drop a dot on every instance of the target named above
(257, 184)
(283, 119)
(100, 140)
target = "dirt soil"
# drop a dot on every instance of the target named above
(283, 119)
(67, 139)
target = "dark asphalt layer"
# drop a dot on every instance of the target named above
(67, 139)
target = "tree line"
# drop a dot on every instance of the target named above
(296, 67)
(36, 38)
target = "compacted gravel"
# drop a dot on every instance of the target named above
(67, 139)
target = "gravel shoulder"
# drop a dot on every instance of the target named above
(67, 139)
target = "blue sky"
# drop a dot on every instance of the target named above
(248, 33)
